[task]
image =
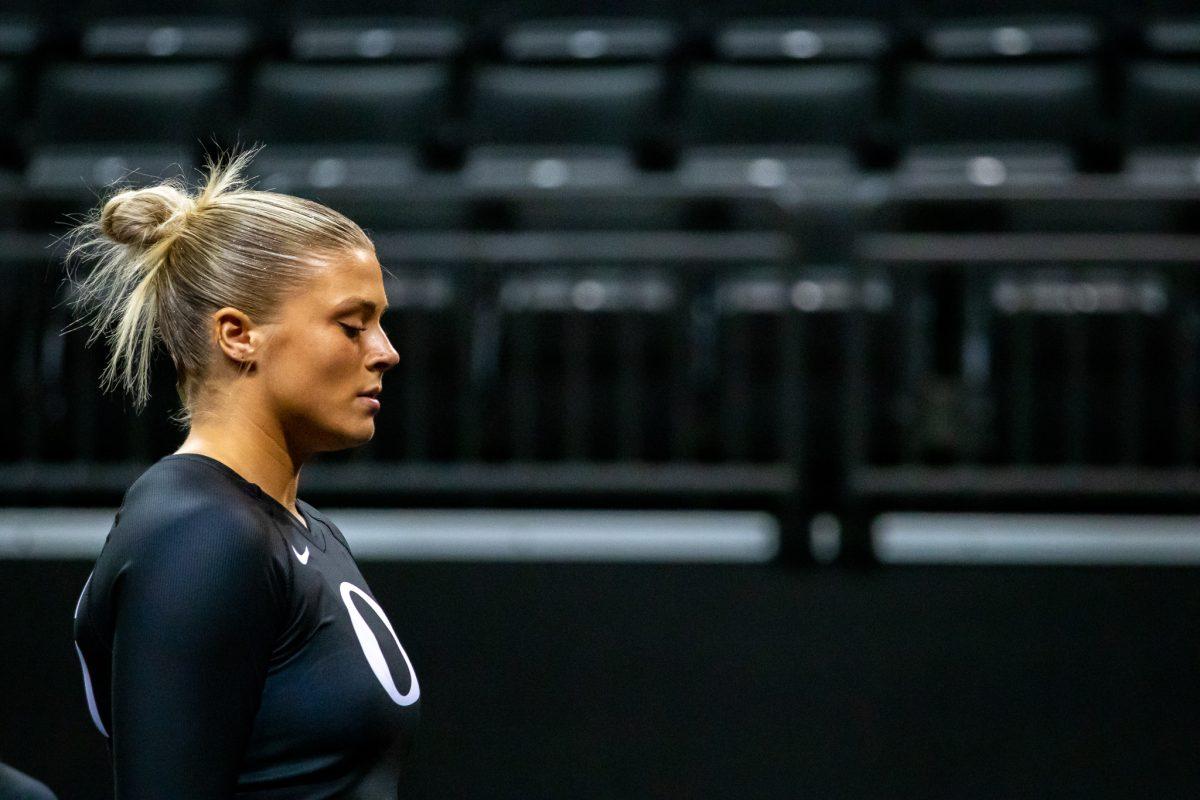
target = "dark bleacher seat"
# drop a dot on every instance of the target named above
(370, 161)
(352, 134)
(216, 29)
(1093, 365)
(987, 124)
(1173, 36)
(550, 130)
(21, 31)
(576, 104)
(388, 38)
(166, 39)
(945, 104)
(1000, 100)
(792, 113)
(564, 106)
(1011, 37)
(827, 104)
(566, 85)
(106, 103)
(96, 123)
(586, 358)
(801, 40)
(588, 39)
(797, 102)
(397, 105)
(1161, 119)
(787, 342)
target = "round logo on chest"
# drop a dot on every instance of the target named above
(372, 648)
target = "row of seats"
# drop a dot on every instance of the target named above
(1159, 103)
(604, 93)
(418, 112)
(709, 350)
(125, 30)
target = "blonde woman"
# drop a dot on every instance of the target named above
(228, 642)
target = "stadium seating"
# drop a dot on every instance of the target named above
(854, 239)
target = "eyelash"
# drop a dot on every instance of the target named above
(349, 328)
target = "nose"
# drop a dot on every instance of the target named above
(385, 357)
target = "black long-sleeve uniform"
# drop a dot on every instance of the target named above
(228, 650)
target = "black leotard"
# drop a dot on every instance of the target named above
(229, 651)
(16, 785)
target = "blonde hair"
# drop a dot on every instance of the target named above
(165, 258)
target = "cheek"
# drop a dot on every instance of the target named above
(309, 369)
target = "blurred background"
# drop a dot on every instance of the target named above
(795, 399)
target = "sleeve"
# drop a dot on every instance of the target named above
(16, 785)
(196, 611)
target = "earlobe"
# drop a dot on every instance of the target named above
(239, 353)
(235, 336)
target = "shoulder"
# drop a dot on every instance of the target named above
(185, 482)
(183, 519)
(176, 499)
(188, 543)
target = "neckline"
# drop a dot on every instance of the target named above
(305, 527)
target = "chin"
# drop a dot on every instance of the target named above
(368, 432)
(348, 436)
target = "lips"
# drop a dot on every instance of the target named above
(371, 396)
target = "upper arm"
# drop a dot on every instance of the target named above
(195, 616)
(16, 785)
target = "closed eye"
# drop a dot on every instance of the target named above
(351, 331)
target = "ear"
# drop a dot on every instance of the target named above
(236, 335)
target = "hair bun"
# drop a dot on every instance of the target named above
(144, 217)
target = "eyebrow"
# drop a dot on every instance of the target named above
(360, 302)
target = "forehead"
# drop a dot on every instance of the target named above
(341, 275)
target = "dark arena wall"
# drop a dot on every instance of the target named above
(702, 680)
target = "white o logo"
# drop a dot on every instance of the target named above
(371, 649)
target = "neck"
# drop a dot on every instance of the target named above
(254, 450)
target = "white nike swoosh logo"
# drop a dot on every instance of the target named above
(302, 556)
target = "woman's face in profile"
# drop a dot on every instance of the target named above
(326, 348)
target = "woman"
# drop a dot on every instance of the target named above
(228, 642)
